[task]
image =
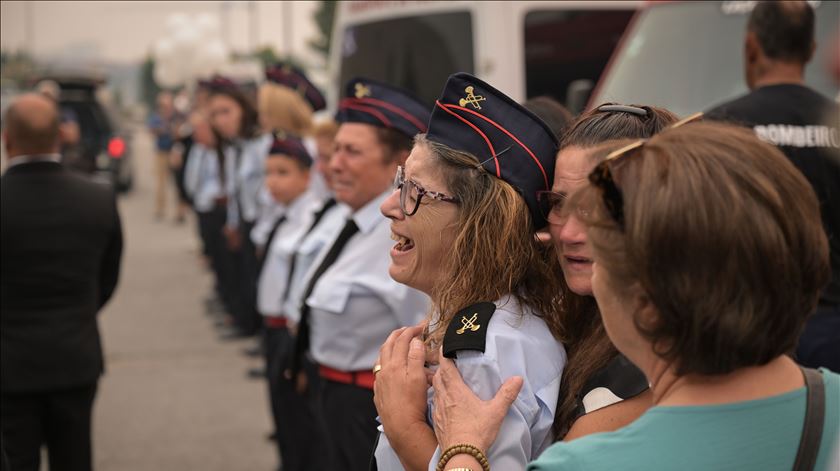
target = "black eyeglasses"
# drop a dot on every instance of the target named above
(411, 193)
(602, 177)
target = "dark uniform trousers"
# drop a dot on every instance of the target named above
(59, 419)
(222, 260)
(248, 318)
(301, 432)
(351, 424)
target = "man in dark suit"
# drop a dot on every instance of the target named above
(61, 244)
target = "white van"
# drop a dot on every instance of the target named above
(689, 56)
(524, 48)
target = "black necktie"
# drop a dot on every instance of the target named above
(302, 341)
(318, 215)
(268, 242)
(237, 196)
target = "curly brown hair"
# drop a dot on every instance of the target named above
(494, 254)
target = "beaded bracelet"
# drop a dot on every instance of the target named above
(462, 448)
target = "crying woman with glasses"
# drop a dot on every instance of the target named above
(463, 214)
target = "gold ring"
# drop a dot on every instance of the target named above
(376, 368)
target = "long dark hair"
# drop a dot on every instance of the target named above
(249, 127)
(589, 349)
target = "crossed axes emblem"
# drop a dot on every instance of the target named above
(362, 91)
(468, 324)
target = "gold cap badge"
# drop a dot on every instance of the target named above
(472, 98)
(362, 91)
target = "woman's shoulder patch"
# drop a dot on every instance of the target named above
(468, 329)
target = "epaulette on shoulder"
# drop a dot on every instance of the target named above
(468, 329)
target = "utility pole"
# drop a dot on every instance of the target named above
(253, 26)
(28, 29)
(287, 29)
(224, 20)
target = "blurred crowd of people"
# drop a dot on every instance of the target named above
(486, 283)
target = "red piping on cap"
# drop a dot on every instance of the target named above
(501, 128)
(296, 80)
(486, 139)
(365, 109)
(389, 106)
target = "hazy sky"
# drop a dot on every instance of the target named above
(124, 31)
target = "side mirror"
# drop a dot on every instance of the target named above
(577, 95)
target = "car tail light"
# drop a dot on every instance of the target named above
(116, 147)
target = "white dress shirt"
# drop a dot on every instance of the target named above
(34, 158)
(355, 304)
(202, 179)
(245, 165)
(271, 287)
(517, 344)
(270, 212)
(307, 251)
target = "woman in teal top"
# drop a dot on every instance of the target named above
(709, 257)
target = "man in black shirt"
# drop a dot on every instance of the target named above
(804, 124)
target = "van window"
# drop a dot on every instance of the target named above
(688, 57)
(562, 46)
(417, 53)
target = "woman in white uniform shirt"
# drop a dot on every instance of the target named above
(464, 218)
(234, 119)
(351, 303)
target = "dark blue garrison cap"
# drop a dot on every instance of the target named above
(509, 141)
(371, 102)
(291, 146)
(294, 78)
(219, 83)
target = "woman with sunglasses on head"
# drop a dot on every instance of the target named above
(600, 390)
(707, 295)
(464, 215)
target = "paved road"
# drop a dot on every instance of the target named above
(173, 396)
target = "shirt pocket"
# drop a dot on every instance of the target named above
(330, 296)
(310, 246)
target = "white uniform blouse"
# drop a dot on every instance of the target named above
(307, 251)
(355, 304)
(271, 286)
(517, 344)
(270, 212)
(245, 167)
(201, 178)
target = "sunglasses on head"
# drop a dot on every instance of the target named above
(602, 177)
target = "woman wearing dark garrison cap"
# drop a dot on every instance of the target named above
(464, 213)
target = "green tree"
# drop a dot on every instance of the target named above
(148, 88)
(18, 67)
(268, 56)
(324, 19)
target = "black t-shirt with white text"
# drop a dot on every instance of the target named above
(806, 127)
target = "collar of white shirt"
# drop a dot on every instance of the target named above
(30, 159)
(369, 215)
(302, 204)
